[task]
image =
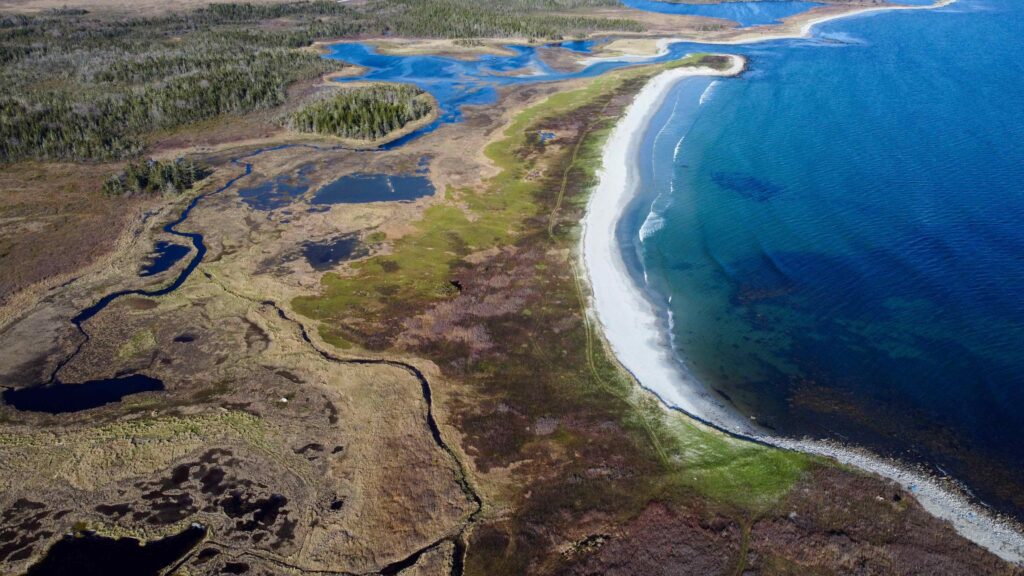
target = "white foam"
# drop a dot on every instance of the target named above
(678, 148)
(653, 223)
(633, 326)
(641, 338)
(708, 92)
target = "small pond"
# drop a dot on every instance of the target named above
(364, 188)
(90, 554)
(326, 254)
(277, 192)
(165, 255)
(60, 398)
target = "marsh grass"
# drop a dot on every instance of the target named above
(615, 448)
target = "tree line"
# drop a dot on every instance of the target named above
(76, 86)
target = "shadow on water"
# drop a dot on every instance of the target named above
(578, 46)
(91, 554)
(277, 192)
(60, 398)
(747, 185)
(165, 255)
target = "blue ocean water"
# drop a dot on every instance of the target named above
(839, 233)
(836, 233)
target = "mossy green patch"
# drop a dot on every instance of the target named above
(332, 338)
(140, 342)
(419, 266)
(538, 370)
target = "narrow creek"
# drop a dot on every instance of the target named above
(98, 392)
(457, 540)
(492, 70)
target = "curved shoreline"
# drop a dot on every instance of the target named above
(638, 335)
(631, 324)
(796, 27)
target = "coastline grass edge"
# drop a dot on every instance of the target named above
(941, 498)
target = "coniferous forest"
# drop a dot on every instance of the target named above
(149, 176)
(79, 86)
(364, 113)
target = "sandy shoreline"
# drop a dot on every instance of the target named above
(805, 30)
(631, 323)
(801, 25)
(635, 330)
(792, 28)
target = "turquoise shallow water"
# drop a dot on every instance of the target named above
(840, 234)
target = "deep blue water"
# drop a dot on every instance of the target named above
(165, 255)
(840, 236)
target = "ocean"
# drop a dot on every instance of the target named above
(838, 237)
(835, 235)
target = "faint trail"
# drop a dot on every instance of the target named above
(580, 292)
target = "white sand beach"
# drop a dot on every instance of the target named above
(632, 326)
(794, 27)
(637, 332)
(805, 30)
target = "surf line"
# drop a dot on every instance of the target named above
(638, 336)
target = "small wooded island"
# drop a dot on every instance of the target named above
(371, 112)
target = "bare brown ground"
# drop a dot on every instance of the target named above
(55, 220)
(835, 522)
(346, 461)
(832, 523)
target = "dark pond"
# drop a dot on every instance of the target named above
(326, 254)
(363, 188)
(277, 192)
(91, 554)
(60, 398)
(165, 255)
